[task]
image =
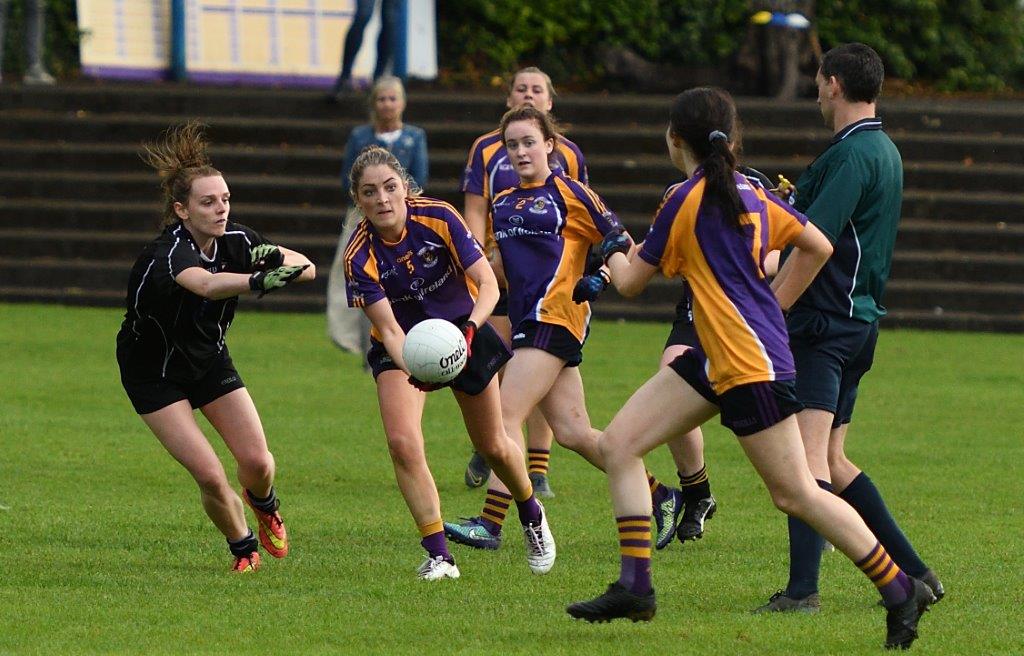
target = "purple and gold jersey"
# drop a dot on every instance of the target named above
(737, 319)
(423, 275)
(488, 171)
(544, 232)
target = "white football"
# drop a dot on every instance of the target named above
(434, 351)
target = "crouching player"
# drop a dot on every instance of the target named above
(409, 259)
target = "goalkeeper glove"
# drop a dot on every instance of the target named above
(266, 257)
(588, 288)
(615, 242)
(267, 281)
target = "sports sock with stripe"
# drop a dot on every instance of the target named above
(695, 486)
(635, 553)
(538, 460)
(496, 504)
(432, 534)
(894, 586)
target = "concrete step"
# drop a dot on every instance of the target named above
(929, 115)
(958, 266)
(126, 246)
(992, 237)
(940, 296)
(52, 216)
(799, 142)
(66, 214)
(447, 165)
(325, 192)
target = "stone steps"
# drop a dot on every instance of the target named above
(287, 188)
(77, 203)
(929, 115)
(446, 165)
(802, 142)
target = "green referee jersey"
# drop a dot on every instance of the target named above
(853, 193)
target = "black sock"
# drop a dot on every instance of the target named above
(268, 504)
(804, 556)
(867, 500)
(243, 546)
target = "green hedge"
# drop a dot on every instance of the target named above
(953, 44)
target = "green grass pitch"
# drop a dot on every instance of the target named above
(105, 549)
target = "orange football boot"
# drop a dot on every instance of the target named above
(273, 535)
(246, 564)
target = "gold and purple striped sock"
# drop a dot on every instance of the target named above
(432, 534)
(495, 508)
(635, 553)
(892, 583)
(695, 486)
(538, 460)
(658, 491)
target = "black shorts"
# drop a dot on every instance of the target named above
(490, 353)
(501, 307)
(745, 409)
(149, 394)
(550, 338)
(832, 353)
(683, 333)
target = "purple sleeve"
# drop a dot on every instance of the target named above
(582, 175)
(604, 219)
(361, 282)
(473, 176)
(467, 248)
(653, 249)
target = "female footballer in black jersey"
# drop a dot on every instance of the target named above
(181, 299)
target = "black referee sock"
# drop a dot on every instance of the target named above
(805, 547)
(267, 504)
(243, 546)
(867, 501)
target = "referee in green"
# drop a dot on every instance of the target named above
(853, 193)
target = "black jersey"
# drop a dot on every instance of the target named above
(169, 332)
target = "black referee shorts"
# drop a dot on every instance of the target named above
(832, 353)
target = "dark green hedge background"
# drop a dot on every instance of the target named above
(954, 45)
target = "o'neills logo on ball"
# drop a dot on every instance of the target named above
(448, 362)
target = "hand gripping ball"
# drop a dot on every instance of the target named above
(434, 351)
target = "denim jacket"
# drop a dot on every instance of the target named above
(410, 149)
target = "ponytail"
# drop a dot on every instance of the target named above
(720, 181)
(704, 118)
(179, 157)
